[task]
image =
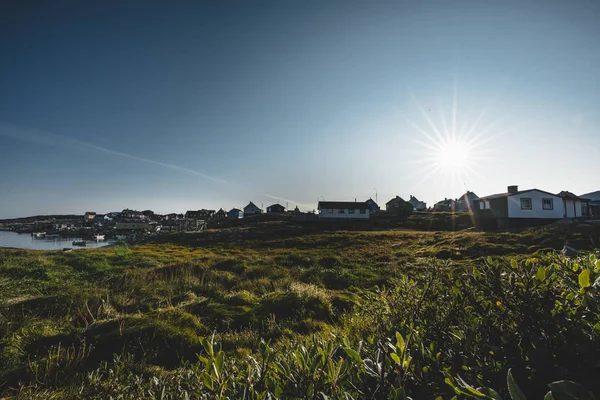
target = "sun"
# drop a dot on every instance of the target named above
(447, 153)
(453, 154)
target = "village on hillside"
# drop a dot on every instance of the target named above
(513, 208)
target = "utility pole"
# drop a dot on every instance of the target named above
(376, 201)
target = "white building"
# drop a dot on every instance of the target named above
(343, 210)
(520, 208)
(574, 206)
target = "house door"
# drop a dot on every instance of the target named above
(565, 207)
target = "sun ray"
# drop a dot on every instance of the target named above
(454, 107)
(429, 121)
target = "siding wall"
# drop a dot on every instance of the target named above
(570, 211)
(337, 215)
(514, 206)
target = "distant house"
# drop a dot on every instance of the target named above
(170, 217)
(200, 214)
(373, 207)
(149, 214)
(343, 210)
(574, 206)
(276, 209)
(235, 213)
(221, 214)
(89, 216)
(128, 214)
(417, 204)
(100, 218)
(444, 205)
(518, 208)
(394, 204)
(252, 209)
(465, 203)
(305, 216)
(594, 198)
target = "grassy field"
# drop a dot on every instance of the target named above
(284, 311)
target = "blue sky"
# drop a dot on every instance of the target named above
(188, 105)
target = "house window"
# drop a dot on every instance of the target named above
(351, 211)
(363, 211)
(548, 204)
(341, 211)
(526, 204)
(330, 211)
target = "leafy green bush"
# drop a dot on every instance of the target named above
(433, 327)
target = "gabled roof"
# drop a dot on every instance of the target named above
(234, 209)
(565, 194)
(447, 202)
(276, 205)
(251, 204)
(592, 195)
(468, 195)
(397, 198)
(343, 205)
(501, 195)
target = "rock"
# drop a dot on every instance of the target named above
(569, 251)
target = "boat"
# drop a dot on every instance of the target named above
(99, 237)
(38, 234)
(78, 243)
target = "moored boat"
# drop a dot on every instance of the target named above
(78, 243)
(99, 237)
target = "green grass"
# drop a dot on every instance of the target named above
(64, 317)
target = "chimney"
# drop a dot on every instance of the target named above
(513, 189)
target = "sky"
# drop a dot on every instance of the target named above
(172, 106)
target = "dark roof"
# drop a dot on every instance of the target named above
(568, 195)
(468, 195)
(500, 195)
(276, 205)
(361, 205)
(592, 195)
(251, 204)
(397, 198)
(234, 209)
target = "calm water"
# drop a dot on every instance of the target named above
(25, 241)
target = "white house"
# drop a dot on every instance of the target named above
(519, 208)
(574, 206)
(343, 210)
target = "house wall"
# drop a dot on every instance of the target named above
(514, 206)
(571, 208)
(337, 215)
